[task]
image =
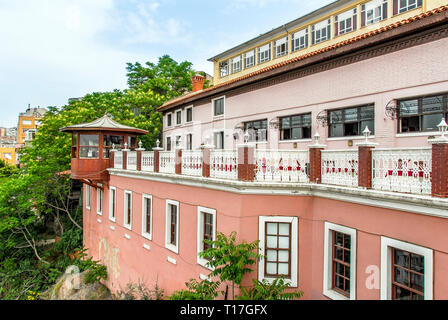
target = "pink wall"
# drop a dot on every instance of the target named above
(128, 260)
(405, 73)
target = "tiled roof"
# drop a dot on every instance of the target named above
(392, 26)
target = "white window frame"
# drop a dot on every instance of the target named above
(145, 233)
(302, 38)
(26, 122)
(200, 233)
(176, 113)
(186, 113)
(407, 7)
(172, 119)
(224, 107)
(112, 218)
(328, 261)
(278, 43)
(125, 211)
(251, 57)
(319, 27)
(88, 196)
(266, 53)
(294, 247)
(224, 72)
(99, 200)
(344, 17)
(168, 245)
(166, 143)
(186, 140)
(372, 6)
(239, 64)
(386, 269)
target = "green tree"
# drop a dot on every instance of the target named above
(204, 290)
(229, 260)
(265, 290)
(35, 203)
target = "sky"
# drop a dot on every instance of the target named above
(53, 50)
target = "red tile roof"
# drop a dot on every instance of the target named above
(179, 100)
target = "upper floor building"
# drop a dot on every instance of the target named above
(29, 122)
(336, 22)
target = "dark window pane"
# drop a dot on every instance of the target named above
(410, 124)
(431, 121)
(296, 121)
(401, 258)
(306, 133)
(409, 107)
(417, 282)
(286, 123)
(351, 114)
(336, 116)
(370, 124)
(339, 282)
(336, 130)
(432, 104)
(417, 263)
(297, 133)
(347, 256)
(401, 294)
(401, 276)
(351, 129)
(338, 253)
(347, 241)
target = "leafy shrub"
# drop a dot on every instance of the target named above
(204, 290)
(140, 291)
(264, 290)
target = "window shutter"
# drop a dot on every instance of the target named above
(306, 39)
(313, 36)
(336, 26)
(355, 21)
(385, 10)
(395, 7)
(419, 3)
(363, 15)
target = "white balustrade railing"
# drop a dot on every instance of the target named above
(340, 167)
(281, 166)
(118, 159)
(148, 161)
(192, 162)
(402, 170)
(167, 162)
(224, 164)
(131, 163)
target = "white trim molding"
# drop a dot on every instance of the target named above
(213, 108)
(386, 265)
(99, 200)
(125, 209)
(112, 205)
(168, 245)
(294, 221)
(88, 196)
(145, 233)
(328, 265)
(200, 232)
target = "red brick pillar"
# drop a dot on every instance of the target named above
(439, 175)
(156, 158)
(206, 161)
(246, 162)
(365, 164)
(178, 160)
(316, 163)
(125, 159)
(112, 159)
(139, 159)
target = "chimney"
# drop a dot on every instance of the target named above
(198, 82)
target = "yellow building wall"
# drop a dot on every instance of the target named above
(21, 127)
(426, 6)
(7, 150)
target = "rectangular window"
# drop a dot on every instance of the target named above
(264, 53)
(224, 68)
(89, 145)
(168, 143)
(422, 114)
(236, 64)
(206, 230)
(300, 40)
(281, 47)
(249, 59)
(278, 244)
(172, 226)
(351, 121)
(401, 6)
(218, 107)
(373, 12)
(178, 117)
(219, 139)
(169, 119)
(321, 31)
(406, 271)
(88, 192)
(339, 262)
(178, 141)
(99, 201)
(189, 145)
(111, 141)
(128, 210)
(147, 216)
(258, 130)
(27, 122)
(189, 114)
(112, 203)
(345, 22)
(295, 127)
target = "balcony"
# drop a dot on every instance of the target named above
(412, 171)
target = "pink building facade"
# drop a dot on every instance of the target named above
(346, 213)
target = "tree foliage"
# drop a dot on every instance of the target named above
(34, 202)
